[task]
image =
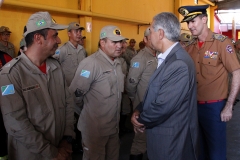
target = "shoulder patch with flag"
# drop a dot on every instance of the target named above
(8, 89)
(57, 51)
(85, 73)
(135, 65)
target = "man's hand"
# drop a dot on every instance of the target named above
(66, 145)
(138, 127)
(64, 151)
(62, 154)
(226, 113)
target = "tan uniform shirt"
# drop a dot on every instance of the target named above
(37, 108)
(8, 49)
(123, 65)
(238, 55)
(99, 82)
(69, 58)
(142, 67)
(213, 61)
(128, 55)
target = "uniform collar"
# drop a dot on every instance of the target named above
(33, 68)
(79, 47)
(210, 36)
(149, 51)
(9, 45)
(116, 61)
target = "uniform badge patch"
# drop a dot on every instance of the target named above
(135, 65)
(57, 51)
(229, 49)
(131, 80)
(41, 23)
(210, 54)
(85, 73)
(8, 89)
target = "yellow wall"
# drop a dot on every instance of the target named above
(15, 17)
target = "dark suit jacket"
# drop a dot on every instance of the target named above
(169, 109)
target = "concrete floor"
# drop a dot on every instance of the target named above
(233, 139)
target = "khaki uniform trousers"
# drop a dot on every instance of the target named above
(100, 147)
(139, 145)
(126, 104)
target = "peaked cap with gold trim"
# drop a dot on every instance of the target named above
(190, 12)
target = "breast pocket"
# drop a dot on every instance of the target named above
(106, 84)
(35, 103)
(209, 65)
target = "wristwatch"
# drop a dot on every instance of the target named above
(69, 139)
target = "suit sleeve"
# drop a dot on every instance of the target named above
(170, 95)
(134, 76)
(16, 119)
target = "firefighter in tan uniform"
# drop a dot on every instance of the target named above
(142, 67)
(82, 43)
(6, 46)
(130, 52)
(99, 82)
(214, 57)
(71, 53)
(126, 103)
(237, 49)
(36, 105)
(184, 39)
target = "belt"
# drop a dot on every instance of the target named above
(211, 101)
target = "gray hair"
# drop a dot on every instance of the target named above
(169, 23)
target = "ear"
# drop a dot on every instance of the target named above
(38, 38)
(204, 19)
(145, 39)
(102, 43)
(69, 33)
(161, 34)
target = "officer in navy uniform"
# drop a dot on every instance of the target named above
(214, 57)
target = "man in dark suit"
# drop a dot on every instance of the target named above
(169, 109)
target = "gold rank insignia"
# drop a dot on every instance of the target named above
(219, 37)
(183, 11)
